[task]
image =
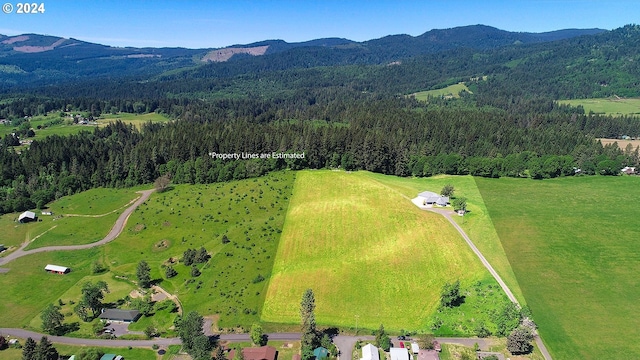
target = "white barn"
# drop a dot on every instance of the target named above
(27, 216)
(56, 269)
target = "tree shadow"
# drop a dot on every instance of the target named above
(67, 328)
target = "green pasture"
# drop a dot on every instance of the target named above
(135, 119)
(232, 284)
(476, 223)
(27, 289)
(607, 106)
(572, 243)
(65, 128)
(451, 90)
(368, 253)
(250, 213)
(78, 219)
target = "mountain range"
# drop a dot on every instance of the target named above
(33, 60)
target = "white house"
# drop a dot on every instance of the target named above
(399, 354)
(431, 198)
(370, 352)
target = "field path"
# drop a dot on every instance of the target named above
(112, 235)
(485, 262)
(447, 214)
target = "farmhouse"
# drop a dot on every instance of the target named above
(431, 198)
(370, 352)
(120, 315)
(27, 216)
(259, 353)
(57, 269)
(428, 355)
(399, 354)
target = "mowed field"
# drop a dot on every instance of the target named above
(451, 90)
(608, 106)
(367, 252)
(573, 245)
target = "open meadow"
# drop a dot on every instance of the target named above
(572, 243)
(79, 219)
(451, 90)
(607, 106)
(238, 223)
(369, 254)
(134, 119)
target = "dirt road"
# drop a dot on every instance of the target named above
(112, 235)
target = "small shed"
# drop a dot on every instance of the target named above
(415, 348)
(108, 357)
(27, 216)
(56, 269)
(399, 354)
(2, 248)
(320, 352)
(120, 315)
(370, 352)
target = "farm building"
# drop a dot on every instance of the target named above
(2, 248)
(27, 216)
(56, 269)
(431, 198)
(370, 352)
(415, 348)
(120, 315)
(428, 355)
(320, 352)
(399, 354)
(259, 353)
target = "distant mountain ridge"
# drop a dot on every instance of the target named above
(36, 60)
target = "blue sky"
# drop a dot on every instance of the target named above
(216, 23)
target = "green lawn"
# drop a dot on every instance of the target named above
(368, 253)
(451, 90)
(608, 106)
(573, 246)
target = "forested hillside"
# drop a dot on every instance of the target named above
(339, 113)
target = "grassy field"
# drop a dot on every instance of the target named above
(608, 106)
(451, 90)
(135, 119)
(99, 207)
(368, 253)
(622, 144)
(232, 284)
(573, 246)
(476, 223)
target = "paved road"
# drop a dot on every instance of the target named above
(112, 235)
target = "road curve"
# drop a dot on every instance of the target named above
(116, 230)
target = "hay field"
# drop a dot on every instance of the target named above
(367, 252)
